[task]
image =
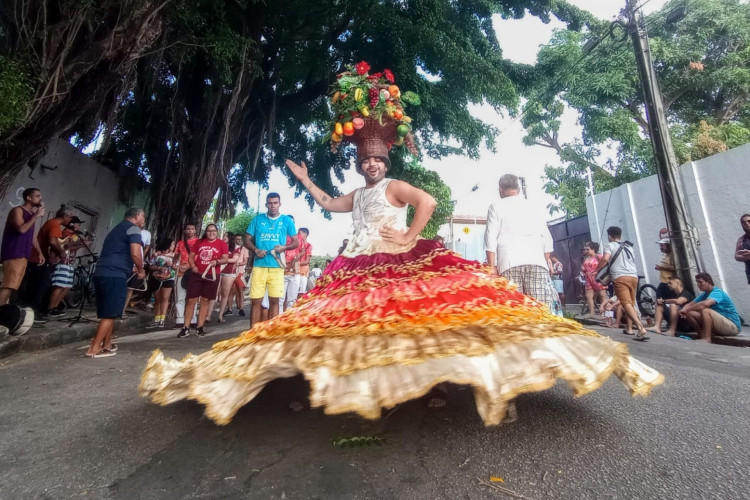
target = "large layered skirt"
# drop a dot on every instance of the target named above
(381, 329)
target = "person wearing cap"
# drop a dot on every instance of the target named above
(62, 276)
(666, 272)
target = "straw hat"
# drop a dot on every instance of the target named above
(373, 138)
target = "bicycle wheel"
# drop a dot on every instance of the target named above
(76, 294)
(647, 300)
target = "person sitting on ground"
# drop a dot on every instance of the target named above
(669, 308)
(162, 268)
(712, 312)
(611, 309)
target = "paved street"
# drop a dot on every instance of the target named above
(75, 427)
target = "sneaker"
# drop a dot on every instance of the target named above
(201, 333)
(185, 332)
(56, 313)
(155, 324)
(40, 319)
(161, 324)
(179, 326)
(241, 312)
(228, 312)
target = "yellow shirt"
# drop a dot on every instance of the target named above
(667, 261)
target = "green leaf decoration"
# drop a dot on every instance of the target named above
(359, 441)
(411, 98)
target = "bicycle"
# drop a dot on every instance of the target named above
(646, 298)
(83, 284)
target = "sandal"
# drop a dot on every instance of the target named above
(104, 353)
(626, 332)
(642, 337)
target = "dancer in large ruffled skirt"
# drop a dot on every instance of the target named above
(393, 316)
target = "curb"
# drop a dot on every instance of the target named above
(741, 340)
(39, 338)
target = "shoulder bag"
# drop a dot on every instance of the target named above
(604, 277)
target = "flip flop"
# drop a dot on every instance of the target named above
(627, 332)
(641, 338)
(101, 354)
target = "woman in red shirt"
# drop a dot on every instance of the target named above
(206, 258)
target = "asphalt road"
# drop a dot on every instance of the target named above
(75, 427)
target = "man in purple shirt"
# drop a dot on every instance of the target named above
(18, 239)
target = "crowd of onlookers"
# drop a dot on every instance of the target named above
(272, 259)
(677, 311)
(195, 273)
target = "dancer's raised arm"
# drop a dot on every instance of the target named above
(341, 204)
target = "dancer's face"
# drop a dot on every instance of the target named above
(374, 170)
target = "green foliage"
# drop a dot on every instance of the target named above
(319, 260)
(239, 223)
(427, 180)
(359, 441)
(15, 93)
(703, 66)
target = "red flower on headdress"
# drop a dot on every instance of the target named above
(375, 76)
(362, 67)
(389, 75)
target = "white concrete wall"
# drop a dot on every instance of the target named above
(78, 180)
(717, 193)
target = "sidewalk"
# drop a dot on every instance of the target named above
(740, 340)
(60, 331)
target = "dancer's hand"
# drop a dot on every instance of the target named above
(260, 253)
(299, 171)
(393, 235)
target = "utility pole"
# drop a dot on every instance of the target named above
(683, 242)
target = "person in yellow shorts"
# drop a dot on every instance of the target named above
(266, 238)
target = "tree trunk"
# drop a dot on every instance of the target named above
(80, 72)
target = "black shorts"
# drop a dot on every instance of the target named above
(682, 324)
(198, 287)
(155, 284)
(110, 296)
(664, 292)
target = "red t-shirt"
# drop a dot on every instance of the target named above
(204, 252)
(183, 253)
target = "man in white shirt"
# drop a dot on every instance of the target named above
(518, 244)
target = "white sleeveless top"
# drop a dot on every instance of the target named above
(372, 211)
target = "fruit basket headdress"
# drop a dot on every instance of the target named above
(369, 112)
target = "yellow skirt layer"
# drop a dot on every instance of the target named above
(365, 374)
